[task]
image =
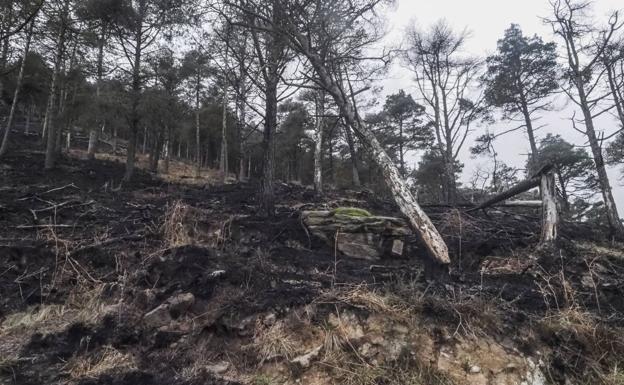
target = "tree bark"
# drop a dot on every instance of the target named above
(318, 142)
(355, 173)
(401, 155)
(49, 124)
(18, 86)
(550, 215)
(136, 95)
(241, 110)
(94, 133)
(167, 150)
(223, 163)
(267, 193)
(521, 187)
(605, 186)
(198, 156)
(531, 134)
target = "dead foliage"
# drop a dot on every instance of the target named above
(179, 225)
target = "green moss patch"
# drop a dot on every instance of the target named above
(351, 212)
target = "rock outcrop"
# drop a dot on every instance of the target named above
(358, 234)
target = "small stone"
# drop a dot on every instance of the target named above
(146, 298)
(217, 273)
(158, 317)
(474, 369)
(400, 329)
(218, 368)
(305, 360)
(180, 304)
(270, 319)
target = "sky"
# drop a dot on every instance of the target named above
(487, 20)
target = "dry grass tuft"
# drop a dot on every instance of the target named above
(180, 225)
(406, 371)
(105, 360)
(592, 350)
(274, 342)
(360, 296)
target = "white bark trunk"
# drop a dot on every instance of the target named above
(550, 215)
(318, 143)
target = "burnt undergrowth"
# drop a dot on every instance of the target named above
(85, 258)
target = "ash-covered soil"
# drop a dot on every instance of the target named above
(161, 283)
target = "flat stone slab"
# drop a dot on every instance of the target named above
(360, 236)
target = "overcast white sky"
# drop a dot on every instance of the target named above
(487, 21)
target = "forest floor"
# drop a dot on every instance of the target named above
(168, 282)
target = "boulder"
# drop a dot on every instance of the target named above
(358, 234)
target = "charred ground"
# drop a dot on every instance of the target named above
(84, 259)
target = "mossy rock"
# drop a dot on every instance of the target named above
(351, 212)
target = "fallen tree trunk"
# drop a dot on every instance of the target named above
(515, 190)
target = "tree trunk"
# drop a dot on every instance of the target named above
(49, 124)
(6, 42)
(223, 163)
(241, 125)
(198, 157)
(136, 95)
(550, 216)
(355, 173)
(595, 144)
(529, 128)
(318, 142)
(155, 150)
(401, 155)
(18, 86)
(29, 114)
(267, 194)
(616, 92)
(418, 220)
(564, 194)
(167, 151)
(114, 139)
(94, 132)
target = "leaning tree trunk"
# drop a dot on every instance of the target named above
(20, 78)
(418, 220)
(531, 134)
(318, 142)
